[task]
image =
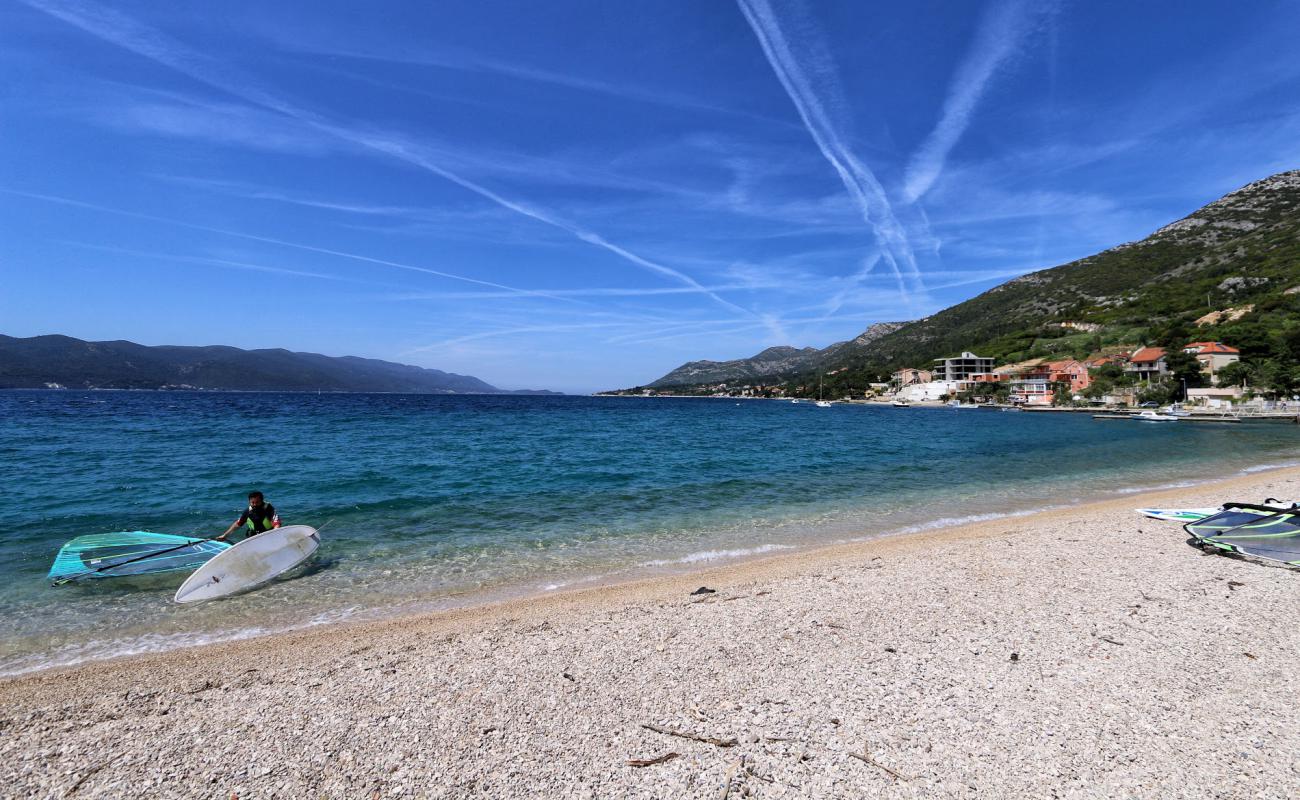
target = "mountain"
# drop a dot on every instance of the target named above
(1242, 249)
(772, 361)
(40, 360)
(1228, 272)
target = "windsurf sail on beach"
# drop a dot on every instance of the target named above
(1232, 516)
(110, 555)
(1275, 537)
(1194, 514)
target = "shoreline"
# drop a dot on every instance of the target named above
(612, 578)
(765, 561)
(1083, 651)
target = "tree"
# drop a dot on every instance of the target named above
(1234, 374)
(1280, 378)
(1185, 371)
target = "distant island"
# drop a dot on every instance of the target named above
(62, 362)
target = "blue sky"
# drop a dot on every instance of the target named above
(580, 196)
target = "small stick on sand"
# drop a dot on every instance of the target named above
(1106, 639)
(650, 762)
(864, 757)
(86, 776)
(691, 736)
(726, 781)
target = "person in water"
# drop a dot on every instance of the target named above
(259, 517)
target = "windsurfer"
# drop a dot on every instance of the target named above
(259, 517)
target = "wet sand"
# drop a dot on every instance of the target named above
(1079, 653)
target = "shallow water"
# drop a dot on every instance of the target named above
(429, 501)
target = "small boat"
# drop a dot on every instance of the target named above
(1011, 408)
(901, 404)
(1151, 416)
(823, 404)
(1175, 410)
(794, 400)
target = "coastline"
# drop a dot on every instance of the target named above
(805, 657)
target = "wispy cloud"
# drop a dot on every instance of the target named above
(588, 292)
(465, 61)
(220, 262)
(285, 243)
(999, 36)
(219, 123)
(128, 33)
(805, 84)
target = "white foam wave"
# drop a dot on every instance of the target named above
(1159, 487)
(1267, 467)
(717, 555)
(99, 650)
(953, 522)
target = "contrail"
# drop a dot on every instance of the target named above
(861, 183)
(126, 32)
(998, 37)
(283, 243)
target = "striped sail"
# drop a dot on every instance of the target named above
(109, 555)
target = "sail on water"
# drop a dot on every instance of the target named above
(123, 553)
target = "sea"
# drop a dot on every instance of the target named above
(429, 502)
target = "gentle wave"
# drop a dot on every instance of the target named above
(718, 555)
(1267, 467)
(96, 650)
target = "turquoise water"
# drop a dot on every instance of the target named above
(431, 501)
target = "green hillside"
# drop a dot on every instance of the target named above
(1239, 254)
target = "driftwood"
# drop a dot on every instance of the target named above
(726, 780)
(691, 736)
(864, 757)
(650, 762)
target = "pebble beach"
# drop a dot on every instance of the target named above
(1085, 652)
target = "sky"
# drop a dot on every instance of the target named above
(583, 196)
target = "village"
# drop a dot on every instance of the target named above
(1204, 377)
(1118, 379)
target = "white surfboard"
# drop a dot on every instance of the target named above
(1178, 514)
(250, 563)
(1191, 514)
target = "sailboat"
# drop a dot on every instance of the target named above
(820, 402)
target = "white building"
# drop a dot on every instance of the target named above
(934, 390)
(961, 369)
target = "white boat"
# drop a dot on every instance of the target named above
(901, 404)
(1151, 416)
(1175, 410)
(820, 402)
(794, 400)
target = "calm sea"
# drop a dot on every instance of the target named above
(431, 501)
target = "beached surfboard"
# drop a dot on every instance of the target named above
(1189, 514)
(250, 563)
(1178, 514)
